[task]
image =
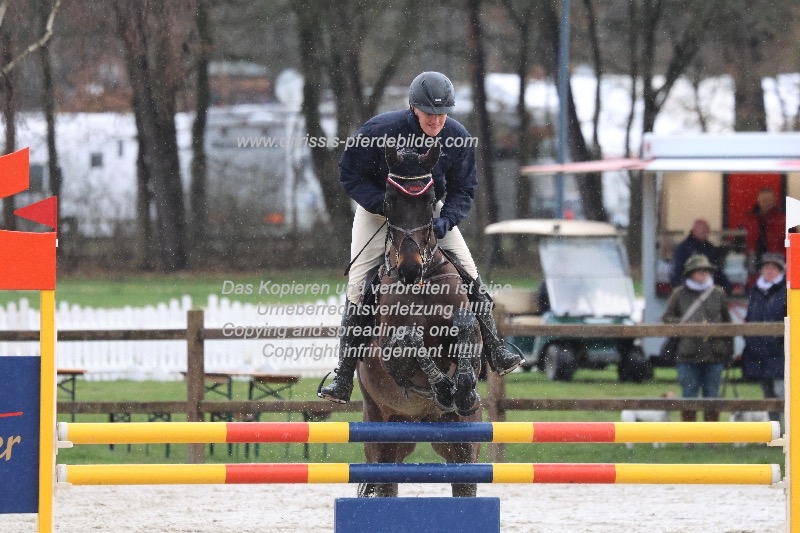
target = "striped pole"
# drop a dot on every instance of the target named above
(340, 432)
(792, 373)
(592, 473)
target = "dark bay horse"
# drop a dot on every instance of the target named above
(425, 358)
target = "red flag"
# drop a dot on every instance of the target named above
(14, 173)
(44, 212)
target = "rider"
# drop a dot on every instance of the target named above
(363, 172)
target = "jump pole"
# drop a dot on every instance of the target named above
(342, 432)
(304, 473)
(792, 367)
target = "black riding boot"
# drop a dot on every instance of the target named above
(341, 387)
(500, 359)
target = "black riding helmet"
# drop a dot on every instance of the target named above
(432, 92)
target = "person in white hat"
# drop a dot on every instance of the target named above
(763, 357)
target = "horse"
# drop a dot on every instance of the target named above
(428, 342)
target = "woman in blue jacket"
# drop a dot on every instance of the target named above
(763, 357)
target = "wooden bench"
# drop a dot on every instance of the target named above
(67, 384)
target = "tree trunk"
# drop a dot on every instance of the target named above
(143, 240)
(48, 104)
(198, 201)
(590, 186)
(144, 30)
(337, 234)
(486, 146)
(750, 113)
(9, 116)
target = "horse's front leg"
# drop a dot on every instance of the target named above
(383, 452)
(441, 385)
(468, 349)
(460, 452)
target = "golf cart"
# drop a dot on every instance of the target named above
(586, 281)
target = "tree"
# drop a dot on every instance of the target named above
(331, 39)
(590, 185)
(156, 37)
(686, 26)
(198, 201)
(522, 18)
(752, 41)
(9, 63)
(484, 153)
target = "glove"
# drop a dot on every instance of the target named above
(440, 227)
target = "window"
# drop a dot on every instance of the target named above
(96, 160)
(36, 177)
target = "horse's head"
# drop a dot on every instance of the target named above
(408, 206)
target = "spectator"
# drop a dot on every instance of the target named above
(763, 358)
(764, 224)
(697, 243)
(700, 360)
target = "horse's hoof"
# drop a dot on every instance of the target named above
(443, 397)
(366, 490)
(469, 405)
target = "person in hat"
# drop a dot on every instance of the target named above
(700, 360)
(763, 357)
(697, 242)
(363, 171)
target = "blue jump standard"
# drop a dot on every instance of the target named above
(423, 515)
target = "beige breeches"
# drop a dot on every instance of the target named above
(365, 224)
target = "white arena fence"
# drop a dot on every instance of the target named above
(166, 360)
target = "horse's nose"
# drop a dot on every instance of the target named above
(410, 272)
(409, 262)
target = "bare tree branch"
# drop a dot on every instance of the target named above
(36, 44)
(3, 8)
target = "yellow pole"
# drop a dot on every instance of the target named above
(792, 379)
(47, 410)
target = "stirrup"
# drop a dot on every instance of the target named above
(517, 359)
(332, 387)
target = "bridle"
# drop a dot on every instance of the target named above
(425, 252)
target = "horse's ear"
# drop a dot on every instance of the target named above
(428, 161)
(393, 159)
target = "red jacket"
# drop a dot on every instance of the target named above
(776, 227)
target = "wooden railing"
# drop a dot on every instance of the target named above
(195, 407)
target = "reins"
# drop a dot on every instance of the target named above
(347, 270)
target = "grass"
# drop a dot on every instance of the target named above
(137, 290)
(149, 289)
(587, 384)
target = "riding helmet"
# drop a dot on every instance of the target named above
(432, 92)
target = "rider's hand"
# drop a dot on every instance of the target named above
(440, 227)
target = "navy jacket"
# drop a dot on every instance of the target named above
(763, 356)
(363, 170)
(692, 245)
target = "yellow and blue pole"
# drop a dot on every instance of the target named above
(260, 473)
(339, 432)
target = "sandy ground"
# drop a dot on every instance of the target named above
(309, 508)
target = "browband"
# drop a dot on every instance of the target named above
(423, 176)
(405, 190)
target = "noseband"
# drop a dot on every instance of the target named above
(425, 252)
